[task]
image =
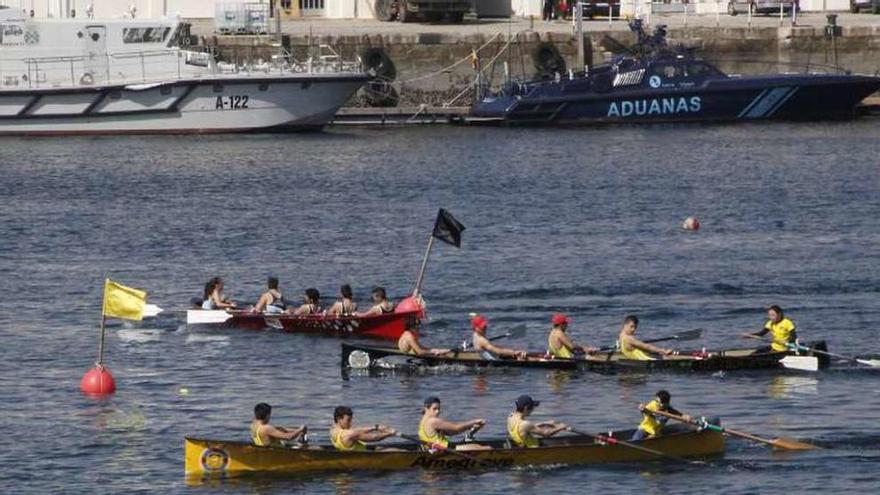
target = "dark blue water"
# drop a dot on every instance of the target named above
(583, 221)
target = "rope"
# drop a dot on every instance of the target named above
(449, 103)
(450, 67)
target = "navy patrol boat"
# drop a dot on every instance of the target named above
(654, 82)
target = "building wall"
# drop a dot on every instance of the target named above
(348, 9)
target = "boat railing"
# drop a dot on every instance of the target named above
(151, 66)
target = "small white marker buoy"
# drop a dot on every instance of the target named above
(184, 391)
(691, 223)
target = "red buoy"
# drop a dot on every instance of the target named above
(98, 381)
(691, 223)
(411, 303)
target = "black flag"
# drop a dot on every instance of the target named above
(447, 228)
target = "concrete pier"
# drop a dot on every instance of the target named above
(433, 63)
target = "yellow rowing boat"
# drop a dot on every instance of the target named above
(217, 457)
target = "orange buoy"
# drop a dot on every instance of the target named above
(691, 223)
(98, 381)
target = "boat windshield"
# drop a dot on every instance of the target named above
(700, 69)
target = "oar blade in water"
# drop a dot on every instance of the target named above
(517, 332)
(792, 444)
(802, 363)
(690, 335)
(869, 362)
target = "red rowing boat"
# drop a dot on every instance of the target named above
(387, 326)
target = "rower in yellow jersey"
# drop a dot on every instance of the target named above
(408, 341)
(559, 344)
(522, 432)
(433, 429)
(633, 348)
(347, 438)
(265, 435)
(780, 328)
(652, 425)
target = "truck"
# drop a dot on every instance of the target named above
(423, 10)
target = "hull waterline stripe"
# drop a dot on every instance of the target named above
(768, 102)
(783, 101)
(750, 105)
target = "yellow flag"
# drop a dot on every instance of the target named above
(123, 302)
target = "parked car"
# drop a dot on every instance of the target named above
(768, 7)
(872, 6)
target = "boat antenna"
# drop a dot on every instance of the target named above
(579, 36)
(278, 30)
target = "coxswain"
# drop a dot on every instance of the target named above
(524, 433)
(433, 429)
(381, 304)
(633, 348)
(311, 304)
(780, 328)
(265, 435)
(214, 298)
(409, 340)
(345, 306)
(272, 301)
(559, 344)
(487, 349)
(652, 424)
(346, 437)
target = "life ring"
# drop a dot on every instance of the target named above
(87, 79)
(547, 59)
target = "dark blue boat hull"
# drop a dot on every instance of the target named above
(788, 97)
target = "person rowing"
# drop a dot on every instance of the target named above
(633, 348)
(559, 344)
(652, 424)
(311, 304)
(433, 429)
(780, 328)
(264, 434)
(272, 301)
(409, 340)
(345, 306)
(348, 438)
(381, 304)
(214, 298)
(524, 433)
(487, 349)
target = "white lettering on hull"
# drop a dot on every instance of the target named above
(655, 106)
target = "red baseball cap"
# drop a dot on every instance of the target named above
(560, 319)
(479, 323)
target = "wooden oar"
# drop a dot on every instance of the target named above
(681, 337)
(616, 441)
(781, 443)
(515, 332)
(452, 451)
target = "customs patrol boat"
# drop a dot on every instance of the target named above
(111, 76)
(654, 82)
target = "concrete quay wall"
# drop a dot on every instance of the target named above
(433, 63)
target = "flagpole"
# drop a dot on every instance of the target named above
(101, 341)
(424, 265)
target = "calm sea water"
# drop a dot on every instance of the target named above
(583, 221)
